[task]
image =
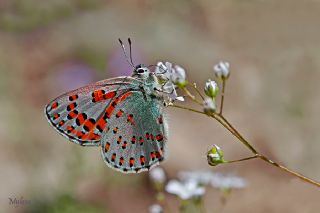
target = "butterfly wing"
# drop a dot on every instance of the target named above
(137, 136)
(80, 114)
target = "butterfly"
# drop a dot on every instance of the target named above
(124, 116)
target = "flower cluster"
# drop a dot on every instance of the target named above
(172, 77)
(216, 180)
(155, 208)
(192, 184)
(211, 88)
(185, 190)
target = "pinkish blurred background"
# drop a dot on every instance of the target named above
(49, 47)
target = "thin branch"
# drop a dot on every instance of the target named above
(222, 95)
(283, 168)
(244, 141)
(194, 86)
(191, 96)
(223, 121)
(242, 159)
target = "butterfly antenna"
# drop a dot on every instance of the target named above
(125, 53)
(129, 41)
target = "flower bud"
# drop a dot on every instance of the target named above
(211, 89)
(179, 76)
(215, 156)
(160, 68)
(209, 106)
(221, 70)
(157, 175)
(155, 208)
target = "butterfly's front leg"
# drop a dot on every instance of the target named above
(143, 90)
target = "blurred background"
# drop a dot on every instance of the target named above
(272, 97)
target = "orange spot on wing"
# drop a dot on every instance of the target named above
(71, 106)
(101, 124)
(115, 130)
(73, 97)
(130, 119)
(55, 116)
(147, 136)
(159, 138)
(54, 105)
(119, 140)
(81, 118)
(114, 103)
(158, 155)
(119, 114)
(77, 133)
(91, 136)
(107, 147)
(141, 140)
(99, 95)
(152, 137)
(72, 114)
(113, 157)
(61, 123)
(124, 96)
(89, 125)
(121, 161)
(70, 129)
(124, 145)
(152, 155)
(142, 160)
(109, 95)
(131, 162)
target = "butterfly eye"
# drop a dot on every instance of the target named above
(140, 71)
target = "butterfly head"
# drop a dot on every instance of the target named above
(141, 71)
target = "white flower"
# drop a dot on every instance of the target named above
(222, 70)
(211, 89)
(160, 68)
(185, 190)
(227, 182)
(169, 89)
(201, 177)
(209, 105)
(155, 208)
(173, 77)
(164, 71)
(180, 98)
(157, 175)
(216, 180)
(176, 74)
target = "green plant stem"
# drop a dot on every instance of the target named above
(302, 177)
(224, 122)
(242, 159)
(239, 136)
(222, 95)
(197, 90)
(165, 204)
(191, 96)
